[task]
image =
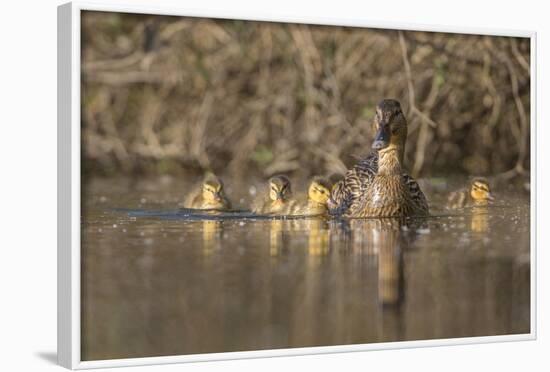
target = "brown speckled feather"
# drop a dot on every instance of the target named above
(351, 195)
(356, 181)
(417, 196)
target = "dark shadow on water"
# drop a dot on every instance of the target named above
(204, 215)
(48, 356)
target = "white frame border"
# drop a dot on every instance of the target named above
(68, 106)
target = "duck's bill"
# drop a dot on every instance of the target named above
(281, 195)
(382, 137)
(490, 197)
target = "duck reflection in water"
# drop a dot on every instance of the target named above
(386, 241)
(318, 236)
(381, 242)
(389, 244)
(480, 219)
(278, 240)
(212, 231)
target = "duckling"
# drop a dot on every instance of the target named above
(209, 195)
(377, 186)
(279, 201)
(478, 194)
(317, 198)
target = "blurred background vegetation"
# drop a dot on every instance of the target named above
(172, 95)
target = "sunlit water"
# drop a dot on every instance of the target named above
(159, 281)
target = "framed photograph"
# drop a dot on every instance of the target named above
(237, 185)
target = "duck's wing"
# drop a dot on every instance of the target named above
(356, 181)
(416, 193)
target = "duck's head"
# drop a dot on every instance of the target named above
(390, 126)
(212, 189)
(319, 190)
(279, 188)
(480, 190)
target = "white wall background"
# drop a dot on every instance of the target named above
(28, 184)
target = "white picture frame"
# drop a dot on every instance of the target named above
(69, 167)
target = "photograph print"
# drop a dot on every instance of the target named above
(253, 185)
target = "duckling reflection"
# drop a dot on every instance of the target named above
(275, 237)
(480, 219)
(318, 237)
(278, 240)
(211, 236)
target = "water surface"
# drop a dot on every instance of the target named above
(156, 282)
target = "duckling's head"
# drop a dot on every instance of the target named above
(212, 189)
(279, 188)
(390, 125)
(480, 190)
(319, 190)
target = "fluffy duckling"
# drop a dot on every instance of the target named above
(478, 194)
(318, 194)
(279, 201)
(209, 195)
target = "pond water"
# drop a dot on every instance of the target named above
(156, 281)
